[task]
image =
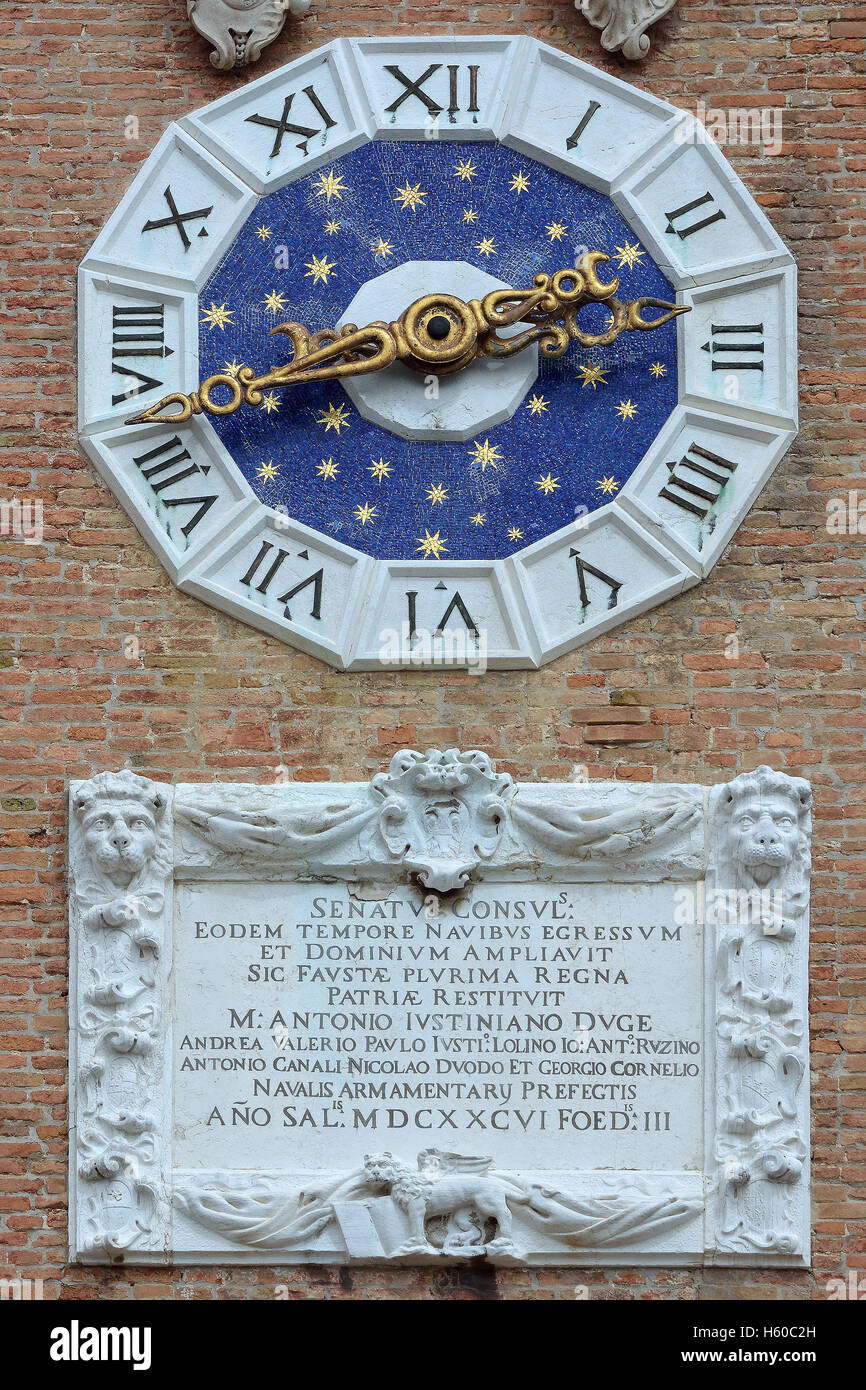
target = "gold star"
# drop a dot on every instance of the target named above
(332, 226)
(320, 268)
(380, 469)
(431, 545)
(382, 249)
(410, 197)
(232, 368)
(486, 246)
(328, 468)
(364, 513)
(263, 233)
(274, 301)
(547, 485)
(465, 170)
(658, 369)
(334, 418)
(470, 215)
(592, 375)
(485, 455)
(519, 182)
(217, 316)
(437, 492)
(478, 519)
(626, 410)
(630, 255)
(330, 186)
(268, 471)
(537, 405)
(556, 230)
(270, 401)
(607, 486)
(514, 533)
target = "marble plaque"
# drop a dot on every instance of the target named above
(440, 1016)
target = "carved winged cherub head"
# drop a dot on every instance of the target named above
(119, 814)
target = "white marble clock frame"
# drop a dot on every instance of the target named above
(749, 1205)
(726, 435)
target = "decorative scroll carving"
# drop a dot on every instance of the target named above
(240, 29)
(757, 900)
(442, 813)
(437, 816)
(443, 821)
(449, 1205)
(623, 23)
(121, 860)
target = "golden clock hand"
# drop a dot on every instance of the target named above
(437, 333)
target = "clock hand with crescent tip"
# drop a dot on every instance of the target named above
(437, 333)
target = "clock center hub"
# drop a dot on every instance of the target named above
(418, 403)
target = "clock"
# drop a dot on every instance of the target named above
(427, 351)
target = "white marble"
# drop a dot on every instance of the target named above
(418, 406)
(440, 1015)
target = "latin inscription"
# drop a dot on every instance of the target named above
(535, 1019)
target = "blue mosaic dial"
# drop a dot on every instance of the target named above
(571, 443)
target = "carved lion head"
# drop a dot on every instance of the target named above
(119, 814)
(766, 814)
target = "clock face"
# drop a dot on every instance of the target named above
(500, 514)
(575, 426)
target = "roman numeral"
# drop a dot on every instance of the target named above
(137, 330)
(283, 126)
(721, 347)
(696, 226)
(584, 122)
(152, 463)
(692, 495)
(583, 569)
(273, 565)
(455, 606)
(178, 219)
(414, 87)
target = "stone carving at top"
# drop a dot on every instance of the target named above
(442, 813)
(437, 816)
(758, 900)
(624, 23)
(449, 1205)
(240, 29)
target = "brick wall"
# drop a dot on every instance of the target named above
(655, 700)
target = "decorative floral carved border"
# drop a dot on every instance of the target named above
(441, 820)
(121, 862)
(757, 915)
